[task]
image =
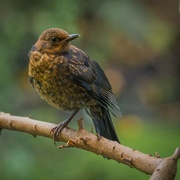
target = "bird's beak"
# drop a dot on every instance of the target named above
(72, 37)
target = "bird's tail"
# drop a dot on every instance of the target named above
(103, 123)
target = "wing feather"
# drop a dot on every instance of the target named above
(89, 76)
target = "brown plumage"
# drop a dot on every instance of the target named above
(68, 79)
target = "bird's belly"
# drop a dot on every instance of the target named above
(62, 94)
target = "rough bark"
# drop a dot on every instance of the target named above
(159, 168)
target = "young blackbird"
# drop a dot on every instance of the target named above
(68, 79)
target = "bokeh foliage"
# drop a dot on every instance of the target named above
(136, 42)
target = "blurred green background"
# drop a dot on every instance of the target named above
(136, 42)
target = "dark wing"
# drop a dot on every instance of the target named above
(89, 76)
(104, 90)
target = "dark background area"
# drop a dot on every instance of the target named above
(137, 43)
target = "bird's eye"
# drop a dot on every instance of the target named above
(54, 39)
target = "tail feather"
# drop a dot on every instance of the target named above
(103, 123)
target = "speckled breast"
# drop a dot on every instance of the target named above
(50, 76)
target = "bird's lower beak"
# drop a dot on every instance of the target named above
(72, 37)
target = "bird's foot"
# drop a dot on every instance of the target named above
(57, 130)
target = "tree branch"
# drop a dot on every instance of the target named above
(159, 167)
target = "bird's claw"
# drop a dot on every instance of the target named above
(57, 130)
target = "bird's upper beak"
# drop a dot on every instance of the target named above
(72, 37)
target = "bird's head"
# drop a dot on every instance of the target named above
(54, 41)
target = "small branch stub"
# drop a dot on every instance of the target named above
(81, 124)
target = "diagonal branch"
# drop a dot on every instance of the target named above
(93, 143)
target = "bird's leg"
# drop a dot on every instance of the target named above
(57, 130)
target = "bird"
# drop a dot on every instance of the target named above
(68, 79)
